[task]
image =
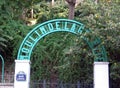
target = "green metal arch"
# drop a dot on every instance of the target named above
(57, 25)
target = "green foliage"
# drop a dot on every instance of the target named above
(103, 18)
(65, 54)
(12, 28)
(45, 11)
(3, 41)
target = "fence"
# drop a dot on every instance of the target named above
(47, 84)
(9, 80)
(114, 84)
(6, 85)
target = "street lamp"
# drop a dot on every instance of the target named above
(2, 68)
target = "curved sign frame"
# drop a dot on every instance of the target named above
(58, 25)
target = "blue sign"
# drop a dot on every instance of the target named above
(21, 76)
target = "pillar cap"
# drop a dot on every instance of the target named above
(22, 61)
(101, 63)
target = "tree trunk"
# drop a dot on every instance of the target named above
(71, 11)
(23, 15)
(31, 13)
(71, 4)
(96, 1)
(53, 78)
(52, 3)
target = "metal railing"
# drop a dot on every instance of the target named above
(47, 84)
(6, 85)
(7, 79)
(114, 84)
(2, 80)
(60, 84)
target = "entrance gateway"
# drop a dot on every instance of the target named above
(22, 64)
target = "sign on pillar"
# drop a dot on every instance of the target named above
(101, 75)
(22, 74)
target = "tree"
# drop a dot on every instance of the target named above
(71, 5)
(103, 18)
(52, 2)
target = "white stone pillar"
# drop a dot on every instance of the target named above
(101, 75)
(22, 74)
